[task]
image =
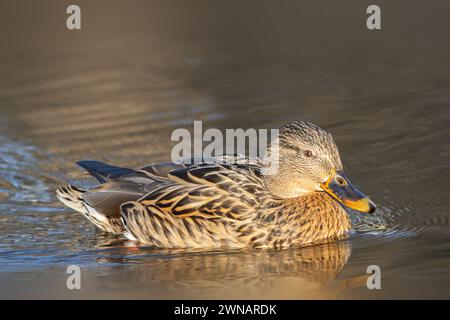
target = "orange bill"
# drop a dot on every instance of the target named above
(339, 187)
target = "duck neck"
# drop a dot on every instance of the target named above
(311, 218)
(283, 187)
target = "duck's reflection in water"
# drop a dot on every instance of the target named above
(294, 272)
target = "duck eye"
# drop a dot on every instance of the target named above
(308, 153)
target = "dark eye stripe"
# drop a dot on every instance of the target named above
(308, 153)
(292, 147)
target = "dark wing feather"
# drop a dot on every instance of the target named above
(104, 172)
(208, 190)
(119, 185)
(161, 169)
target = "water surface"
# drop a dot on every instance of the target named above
(115, 91)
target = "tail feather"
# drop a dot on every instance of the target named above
(73, 198)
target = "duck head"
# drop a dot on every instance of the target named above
(308, 161)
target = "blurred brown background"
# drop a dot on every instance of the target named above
(137, 70)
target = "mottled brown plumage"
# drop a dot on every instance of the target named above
(216, 204)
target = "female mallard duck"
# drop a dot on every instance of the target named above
(215, 204)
